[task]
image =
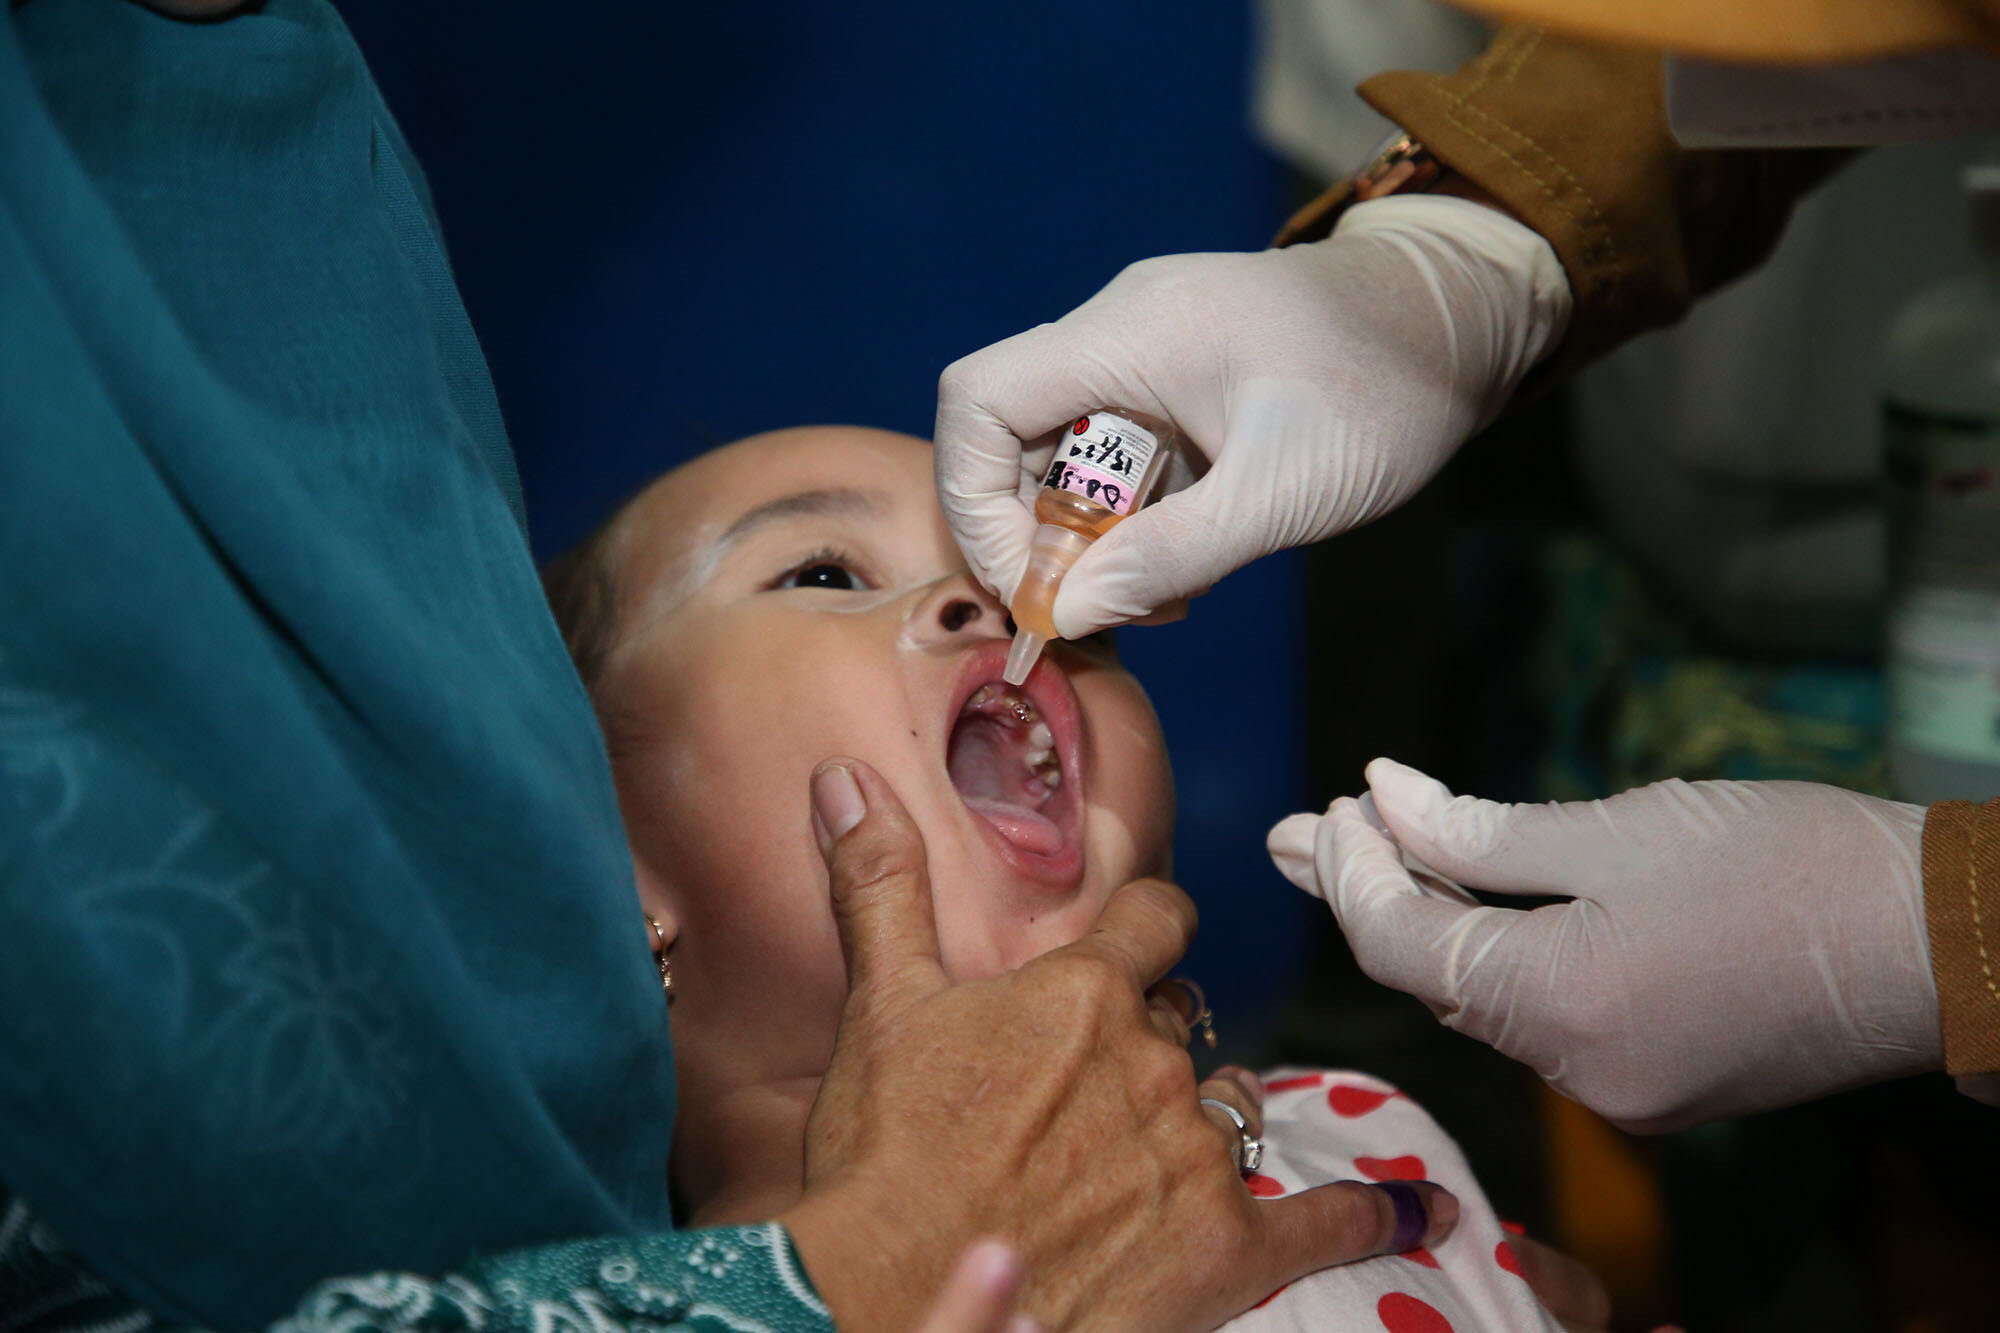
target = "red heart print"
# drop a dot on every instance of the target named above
(1503, 1254)
(1263, 1186)
(1296, 1081)
(1408, 1167)
(1350, 1101)
(1403, 1313)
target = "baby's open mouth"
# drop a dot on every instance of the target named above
(1012, 762)
(1002, 758)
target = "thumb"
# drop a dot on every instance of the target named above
(1290, 843)
(1418, 938)
(1285, 473)
(1535, 849)
(1177, 547)
(982, 471)
(1478, 969)
(879, 882)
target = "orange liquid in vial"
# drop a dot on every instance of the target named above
(1035, 600)
(1066, 509)
(1034, 608)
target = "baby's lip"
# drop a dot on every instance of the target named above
(1048, 690)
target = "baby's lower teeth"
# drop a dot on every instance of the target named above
(1041, 738)
(1036, 758)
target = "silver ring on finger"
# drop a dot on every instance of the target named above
(1249, 1151)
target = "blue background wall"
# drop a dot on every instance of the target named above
(679, 224)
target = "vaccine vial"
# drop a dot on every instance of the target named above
(1103, 469)
(1942, 456)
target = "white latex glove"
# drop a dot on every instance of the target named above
(1730, 947)
(1321, 386)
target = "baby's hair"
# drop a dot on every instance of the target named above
(582, 589)
(581, 586)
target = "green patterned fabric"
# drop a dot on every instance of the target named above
(1632, 698)
(743, 1279)
(321, 949)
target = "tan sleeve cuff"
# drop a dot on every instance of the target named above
(1962, 909)
(1562, 135)
(1571, 137)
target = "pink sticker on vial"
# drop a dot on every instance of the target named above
(1104, 459)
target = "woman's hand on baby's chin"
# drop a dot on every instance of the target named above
(1044, 1106)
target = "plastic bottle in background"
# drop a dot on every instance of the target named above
(1104, 468)
(1942, 455)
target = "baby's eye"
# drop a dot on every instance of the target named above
(820, 576)
(825, 570)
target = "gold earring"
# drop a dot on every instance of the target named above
(660, 959)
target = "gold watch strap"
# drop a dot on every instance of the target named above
(1401, 166)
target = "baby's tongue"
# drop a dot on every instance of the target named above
(1030, 830)
(986, 766)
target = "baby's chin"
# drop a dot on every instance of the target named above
(992, 920)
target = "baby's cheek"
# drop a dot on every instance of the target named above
(1129, 819)
(1126, 840)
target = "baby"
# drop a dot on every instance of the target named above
(797, 595)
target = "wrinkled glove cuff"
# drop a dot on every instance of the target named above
(1504, 279)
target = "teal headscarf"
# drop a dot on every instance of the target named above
(319, 950)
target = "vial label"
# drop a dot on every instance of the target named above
(1104, 458)
(1944, 673)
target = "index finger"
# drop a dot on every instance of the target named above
(985, 434)
(1018, 390)
(981, 474)
(1144, 930)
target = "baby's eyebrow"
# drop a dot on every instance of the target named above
(838, 501)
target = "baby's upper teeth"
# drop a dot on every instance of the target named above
(1001, 701)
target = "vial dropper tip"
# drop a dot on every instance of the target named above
(1021, 657)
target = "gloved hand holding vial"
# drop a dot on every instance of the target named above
(1315, 388)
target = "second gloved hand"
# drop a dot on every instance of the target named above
(1320, 385)
(1729, 947)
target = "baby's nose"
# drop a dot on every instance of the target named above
(958, 608)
